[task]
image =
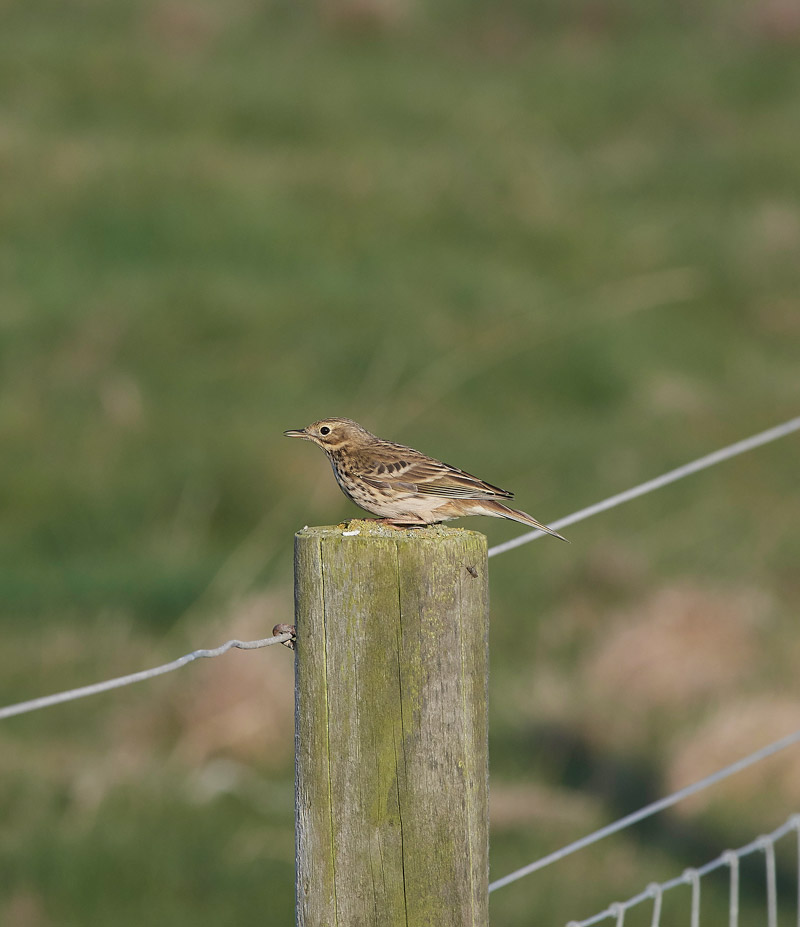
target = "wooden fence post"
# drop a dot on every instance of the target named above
(391, 727)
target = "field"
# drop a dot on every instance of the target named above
(553, 244)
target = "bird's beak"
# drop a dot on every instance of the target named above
(296, 433)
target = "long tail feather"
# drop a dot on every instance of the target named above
(505, 511)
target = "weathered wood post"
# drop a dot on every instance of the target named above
(391, 727)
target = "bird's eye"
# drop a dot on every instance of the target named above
(324, 430)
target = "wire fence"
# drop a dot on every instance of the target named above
(654, 893)
(709, 460)
(691, 879)
(649, 810)
(730, 857)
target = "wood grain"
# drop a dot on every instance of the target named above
(391, 727)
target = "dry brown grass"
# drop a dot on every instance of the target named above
(513, 806)
(733, 731)
(683, 644)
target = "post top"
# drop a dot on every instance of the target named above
(371, 528)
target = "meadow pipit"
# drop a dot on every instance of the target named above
(401, 485)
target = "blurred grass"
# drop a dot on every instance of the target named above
(555, 244)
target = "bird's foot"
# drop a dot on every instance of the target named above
(387, 522)
(402, 525)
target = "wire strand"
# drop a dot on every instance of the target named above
(702, 463)
(70, 695)
(649, 810)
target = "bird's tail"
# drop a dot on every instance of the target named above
(504, 511)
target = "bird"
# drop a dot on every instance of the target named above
(402, 486)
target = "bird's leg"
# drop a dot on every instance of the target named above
(402, 525)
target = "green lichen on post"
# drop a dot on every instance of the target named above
(391, 726)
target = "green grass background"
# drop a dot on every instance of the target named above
(553, 243)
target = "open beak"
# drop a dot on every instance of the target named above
(296, 433)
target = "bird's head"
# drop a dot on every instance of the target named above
(333, 433)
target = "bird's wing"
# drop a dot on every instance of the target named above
(432, 477)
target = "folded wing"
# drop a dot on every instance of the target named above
(434, 478)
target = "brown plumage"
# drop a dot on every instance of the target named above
(401, 485)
